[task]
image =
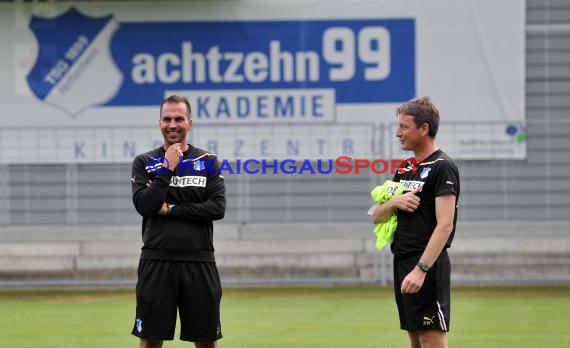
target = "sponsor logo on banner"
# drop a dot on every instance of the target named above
(264, 81)
(286, 71)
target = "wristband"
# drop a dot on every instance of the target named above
(169, 209)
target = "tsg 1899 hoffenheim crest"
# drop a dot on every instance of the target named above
(73, 51)
(199, 166)
(424, 173)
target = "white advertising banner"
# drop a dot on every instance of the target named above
(82, 82)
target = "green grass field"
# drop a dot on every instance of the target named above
(292, 317)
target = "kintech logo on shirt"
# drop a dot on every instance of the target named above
(186, 181)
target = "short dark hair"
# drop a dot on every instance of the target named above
(424, 111)
(177, 99)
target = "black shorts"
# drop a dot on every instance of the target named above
(193, 288)
(430, 307)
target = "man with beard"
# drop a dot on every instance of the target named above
(179, 193)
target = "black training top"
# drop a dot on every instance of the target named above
(197, 194)
(436, 175)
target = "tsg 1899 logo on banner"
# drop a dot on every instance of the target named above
(230, 69)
